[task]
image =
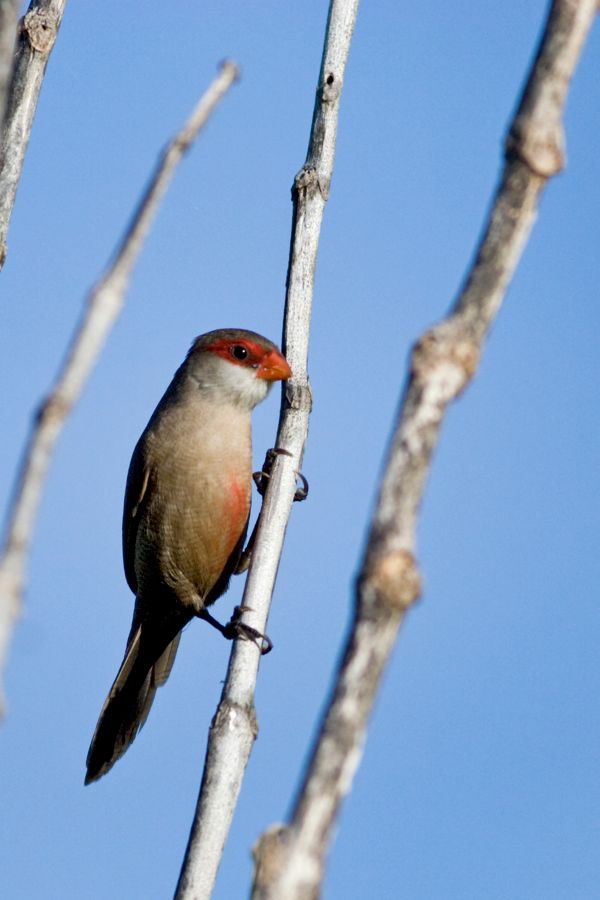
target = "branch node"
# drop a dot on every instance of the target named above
(446, 345)
(228, 715)
(40, 26)
(331, 88)
(269, 855)
(540, 145)
(394, 580)
(306, 183)
(298, 395)
(54, 408)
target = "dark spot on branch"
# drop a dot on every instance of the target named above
(54, 408)
(331, 88)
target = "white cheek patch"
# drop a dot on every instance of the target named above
(241, 384)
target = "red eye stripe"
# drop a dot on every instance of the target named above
(226, 349)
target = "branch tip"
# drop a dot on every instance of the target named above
(231, 67)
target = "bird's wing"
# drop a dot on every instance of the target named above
(135, 491)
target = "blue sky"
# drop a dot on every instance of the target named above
(480, 774)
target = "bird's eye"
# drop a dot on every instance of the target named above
(239, 352)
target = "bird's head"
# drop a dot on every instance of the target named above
(236, 365)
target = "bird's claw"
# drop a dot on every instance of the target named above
(238, 629)
(301, 492)
(261, 478)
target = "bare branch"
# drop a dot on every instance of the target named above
(9, 11)
(234, 726)
(291, 860)
(101, 309)
(36, 36)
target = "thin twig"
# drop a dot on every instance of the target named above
(233, 729)
(291, 859)
(9, 11)
(101, 309)
(36, 36)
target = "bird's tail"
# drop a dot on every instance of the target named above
(148, 660)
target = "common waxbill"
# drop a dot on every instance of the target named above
(187, 503)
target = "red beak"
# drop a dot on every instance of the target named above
(274, 367)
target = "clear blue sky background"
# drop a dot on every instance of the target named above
(480, 775)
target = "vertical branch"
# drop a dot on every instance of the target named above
(233, 728)
(103, 305)
(36, 36)
(291, 859)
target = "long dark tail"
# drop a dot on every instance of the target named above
(148, 660)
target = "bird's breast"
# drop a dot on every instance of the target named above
(198, 505)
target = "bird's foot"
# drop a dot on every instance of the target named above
(238, 629)
(261, 478)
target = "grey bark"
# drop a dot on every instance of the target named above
(102, 307)
(37, 33)
(290, 859)
(234, 729)
(9, 11)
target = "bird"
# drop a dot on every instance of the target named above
(185, 518)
